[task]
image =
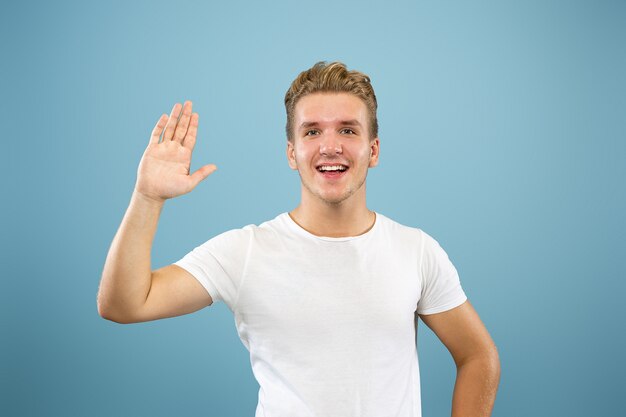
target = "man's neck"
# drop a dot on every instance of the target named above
(337, 220)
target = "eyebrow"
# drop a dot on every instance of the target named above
(353, 122)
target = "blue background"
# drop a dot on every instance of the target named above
(502, 135)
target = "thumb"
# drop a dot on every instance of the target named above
(202, 173)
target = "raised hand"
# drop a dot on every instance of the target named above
(163, 172)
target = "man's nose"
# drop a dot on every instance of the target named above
(330, 145)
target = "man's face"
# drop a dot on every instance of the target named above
(332, 149)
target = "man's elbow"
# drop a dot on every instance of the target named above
(108, 313)
(487, 360)
(111, 317)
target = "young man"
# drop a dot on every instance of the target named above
(325, 297)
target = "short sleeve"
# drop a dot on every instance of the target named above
(441, 287)
(219, 264)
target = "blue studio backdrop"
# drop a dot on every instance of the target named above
(502, 127)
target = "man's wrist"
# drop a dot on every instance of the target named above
(146, 200)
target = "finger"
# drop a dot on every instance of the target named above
(202, 173)
(158, 129)
(183, 123)
(171, 123)
(190, 138)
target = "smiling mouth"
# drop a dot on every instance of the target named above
(332, 169)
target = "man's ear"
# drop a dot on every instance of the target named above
(374, 152)
(291, 155)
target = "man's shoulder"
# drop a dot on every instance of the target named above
(402, 232)
(397, 227)
(241, 237)
(265, 228)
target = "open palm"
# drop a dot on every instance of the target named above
(164, 168)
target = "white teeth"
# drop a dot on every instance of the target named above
(332, 168)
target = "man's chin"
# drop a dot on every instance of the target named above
(334, 199)
(329, 197)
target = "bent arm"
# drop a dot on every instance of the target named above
(129, 291)
(475, 356)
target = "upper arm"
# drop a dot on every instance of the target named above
(463, 333)
(173, 292)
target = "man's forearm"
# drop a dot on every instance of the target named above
(126, 277)
(475, 388)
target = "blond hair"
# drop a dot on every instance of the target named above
(331, 78)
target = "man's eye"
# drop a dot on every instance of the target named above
(311, 132)
(347, 131)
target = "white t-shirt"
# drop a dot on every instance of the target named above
(329, 322)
